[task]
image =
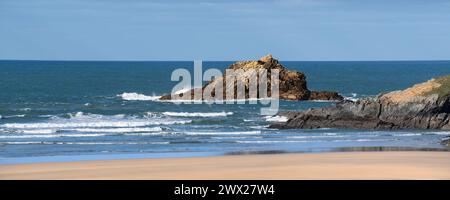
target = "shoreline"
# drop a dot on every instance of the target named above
(331, 165)
(128, 156)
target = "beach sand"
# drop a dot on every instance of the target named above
(336, 165)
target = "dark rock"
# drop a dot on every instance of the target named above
(292, 85)
(423, 106)
(325, 96)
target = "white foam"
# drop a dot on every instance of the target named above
(85, 143)
(237, 137)
(437, 133)
(316, 136)
(276, 118)
(20, 142)
(182, 101)
(47, 116)
(408, 134)
(197, 114)
(223, 133)
(270, 141)
(97, 124)
(137, 97)
(363, 140)
(81, 115)
(41, 131)
(352, 97)
(12, 116)
(88, 123)
(113, 143)
(49, 136)
(117, 130)
(147, 133)
(259, 127)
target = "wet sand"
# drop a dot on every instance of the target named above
(335, 165)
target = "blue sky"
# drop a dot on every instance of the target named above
(225, 29)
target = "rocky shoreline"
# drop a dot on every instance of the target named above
(423, 106)
(292, 84)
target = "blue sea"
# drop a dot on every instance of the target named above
(81, 110)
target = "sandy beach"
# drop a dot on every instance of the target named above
(340, 165)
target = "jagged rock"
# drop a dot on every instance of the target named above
(325, 95)
(292, 85)
(423, 106)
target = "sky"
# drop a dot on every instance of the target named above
(315, 30)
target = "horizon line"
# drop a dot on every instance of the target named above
(100, 60)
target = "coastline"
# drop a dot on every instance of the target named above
(129, 156)
(332, 165)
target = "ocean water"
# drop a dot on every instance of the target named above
(69, 110)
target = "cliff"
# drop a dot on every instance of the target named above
(422, 106)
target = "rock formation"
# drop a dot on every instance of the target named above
(423, 106)
(292, 84)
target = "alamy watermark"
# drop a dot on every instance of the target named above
(236, 86)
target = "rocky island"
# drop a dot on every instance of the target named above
(422, 106)
(292, 84)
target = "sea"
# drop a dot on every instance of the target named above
(53, 111)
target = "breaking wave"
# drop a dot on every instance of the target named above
(92, 124)
(49, 136)
(137, 97)
(223, 133)
(270, 141)
(197, 114)
(11, 116)
(117, 130)
(82, 120)
(83, 143)
(276, 118)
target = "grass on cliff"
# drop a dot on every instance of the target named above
(444, 89)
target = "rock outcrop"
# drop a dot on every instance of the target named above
(423, 106)
(292, 84)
